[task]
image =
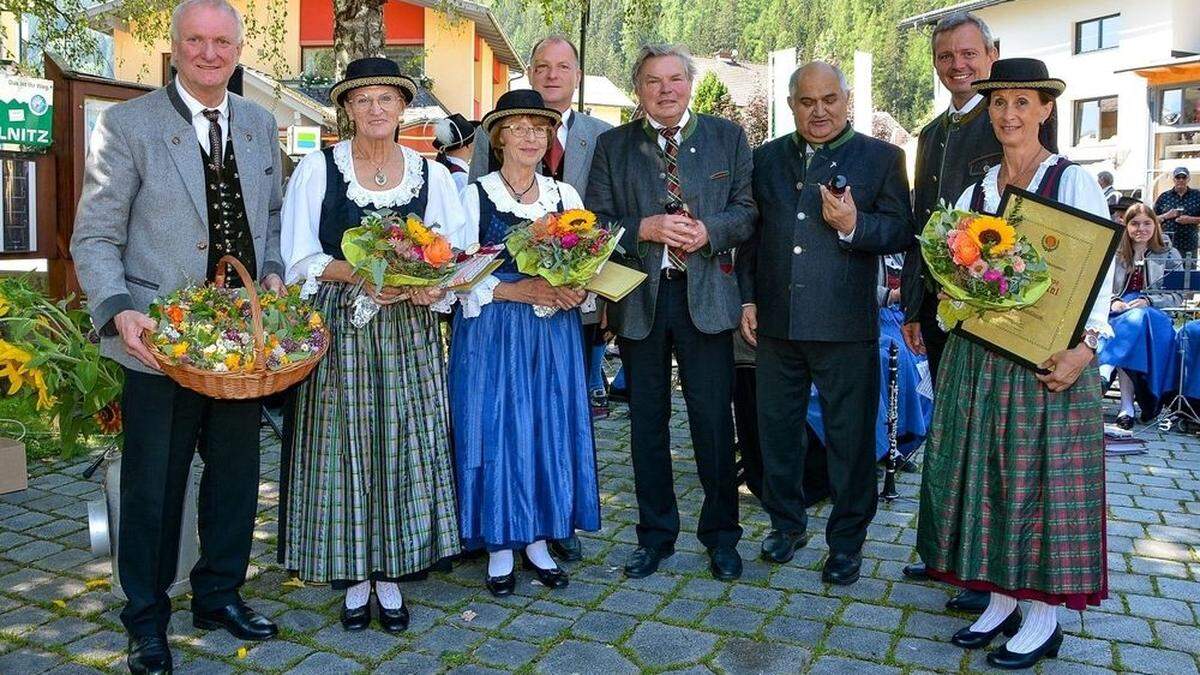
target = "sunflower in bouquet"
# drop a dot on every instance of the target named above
(565, 249)
(982, 262)
(392, 250)
(210, 328)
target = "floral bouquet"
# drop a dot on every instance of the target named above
(211, 329)
(982, 263)
(389, 250)
(565, 249)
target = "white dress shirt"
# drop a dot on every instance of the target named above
(967, 107)
(561, 132)
(461, 177)
(199, 121)
(662, 145)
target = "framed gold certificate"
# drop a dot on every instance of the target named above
(1078, 247)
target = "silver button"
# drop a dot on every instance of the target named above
(662, 175)
(175, 140)
(797, 250)
(800, 185)
(800, 216)
(692, 150)
(201, 246)
(935, 178)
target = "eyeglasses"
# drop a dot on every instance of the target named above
(364, 103)
(541, 133)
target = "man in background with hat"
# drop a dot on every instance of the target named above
(174, 180)
(953, 151)
(678, 183)
(1179, 209)
(554, 73)
(454, 140)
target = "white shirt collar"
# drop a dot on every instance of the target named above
(566, 116)
(968, 106)
(458, 161)
(683, 121)
(195, 107)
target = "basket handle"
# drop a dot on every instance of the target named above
(255, 306)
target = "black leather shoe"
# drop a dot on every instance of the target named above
(724, 563)
(149, 655)
(356, 618)
(842, 568)
(394, 620)
(502, 586)
(780, 546)
(242, 622)
(969, 639)
(567, 550)
(551, 578)
(1125, 422)
(972, 602)
(1002, 658)
(916, 572)
(644, 561)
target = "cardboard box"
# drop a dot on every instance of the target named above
(14, 475)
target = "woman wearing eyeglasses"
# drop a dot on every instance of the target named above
(523, 444)
(369, 488)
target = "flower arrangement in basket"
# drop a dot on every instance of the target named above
(565, 249)
(50, 356)
(982, 263)
(236, 342)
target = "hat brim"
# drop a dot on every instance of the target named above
(489, 120)
(406, 86)
(1053, 86)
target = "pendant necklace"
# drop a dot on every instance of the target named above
(381, 178)
(518, 195)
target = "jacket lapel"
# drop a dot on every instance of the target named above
(575, 151)
(181, 144)
(248, 169)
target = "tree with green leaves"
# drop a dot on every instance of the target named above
(710, 94)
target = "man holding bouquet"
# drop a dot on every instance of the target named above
(831, 202)
(679, 185)
(163, 199)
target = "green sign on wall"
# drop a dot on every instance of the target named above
(26, 113)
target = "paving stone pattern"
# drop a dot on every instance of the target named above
(57, 614)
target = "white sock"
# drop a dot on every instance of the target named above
(539, 555)
(1126, 392)
(500, 563)
(1039, 625)
(389, 595)
(998, 609)
(358, 595)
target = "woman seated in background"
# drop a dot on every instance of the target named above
(1141, 348)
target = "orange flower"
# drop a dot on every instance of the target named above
(544, 227)
(175, 314)
(965, 251)
(437, 252)
(109, 418)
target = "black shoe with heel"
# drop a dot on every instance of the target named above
(550, 578)
(503, 586)
(356, 618)
(969, 639)
(1002, 658)
(973, 602)
(394, 620)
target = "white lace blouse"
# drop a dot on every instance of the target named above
(303, 256)
(1077, 189)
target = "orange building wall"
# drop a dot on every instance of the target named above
(404, 23)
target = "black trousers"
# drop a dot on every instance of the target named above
(164, 422)
(706, 371)
(847, 379)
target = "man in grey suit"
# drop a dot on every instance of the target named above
(808, 278)
(174, 180)
(554, 73)
(679, 185)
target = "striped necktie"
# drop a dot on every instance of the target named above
(675, 255)
(215, 149)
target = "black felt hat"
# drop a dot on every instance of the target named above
(1020, 74)
(371, 71)
(453, 132)
(519, 102)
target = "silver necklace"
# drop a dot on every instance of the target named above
(381, 178)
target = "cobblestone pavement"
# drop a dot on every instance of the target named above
(57, 613)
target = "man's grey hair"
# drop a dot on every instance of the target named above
(1104, 178)
(181, 8)
(956, 19)
(798, 74)
(557, 37)
(653, 51)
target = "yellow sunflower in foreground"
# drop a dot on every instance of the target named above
(578, 220)
(992, 234)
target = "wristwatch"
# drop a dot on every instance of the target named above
(1091, 339)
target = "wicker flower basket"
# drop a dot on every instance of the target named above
(254, 384)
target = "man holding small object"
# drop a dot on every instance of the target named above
(679, 184)
(1179, 209)
(831, 202)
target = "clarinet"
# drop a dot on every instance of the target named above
(893, 423)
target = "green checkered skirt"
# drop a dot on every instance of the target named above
(1012, 492)
(371, 485)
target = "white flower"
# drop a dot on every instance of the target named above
(220, 367)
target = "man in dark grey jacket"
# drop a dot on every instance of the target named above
(808, 281)
(679, 185)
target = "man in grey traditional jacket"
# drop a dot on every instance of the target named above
(174, 180)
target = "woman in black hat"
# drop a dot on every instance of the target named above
(370, 485)
(454, 140)
(522, 423)
(1012, 496)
